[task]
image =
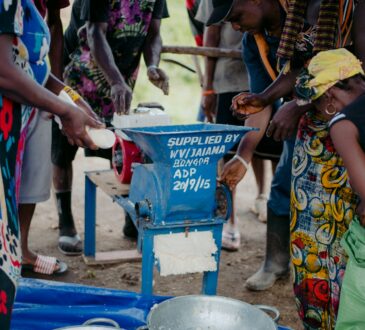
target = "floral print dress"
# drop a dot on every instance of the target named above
(128, 25)
(21, 20)
(322, 207)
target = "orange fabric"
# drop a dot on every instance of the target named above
(264, 51)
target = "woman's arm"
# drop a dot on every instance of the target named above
(56, 86)
(345, 138)
(19, 87)
(121, 93)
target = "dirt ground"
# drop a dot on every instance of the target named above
(235, 267)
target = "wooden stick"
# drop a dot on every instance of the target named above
(203, 51)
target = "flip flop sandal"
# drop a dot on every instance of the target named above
(70, 245)
(47, 266)
(231, 240)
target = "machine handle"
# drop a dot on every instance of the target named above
(270, 309)
(102, 320)
(143, 209)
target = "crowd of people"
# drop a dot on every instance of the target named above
(300, 81)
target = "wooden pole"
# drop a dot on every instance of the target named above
(202, 51)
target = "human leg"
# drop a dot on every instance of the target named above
(62, 156)
(276, 262)
(35, 181)
(26, 212)
(231, 237)
(260, 204)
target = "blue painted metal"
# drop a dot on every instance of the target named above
(59, 304)
(147, 263)
(90, 218)
(176, 192)
(210, 279)
(180, 184)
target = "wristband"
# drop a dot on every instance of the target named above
(243, 162)
(71, 93)
(208, 92)
(152, 67)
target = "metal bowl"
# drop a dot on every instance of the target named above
(91, 325)
(201, 312)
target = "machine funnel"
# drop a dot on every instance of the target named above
(169, 144)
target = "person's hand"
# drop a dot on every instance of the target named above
(361, 212)
(245, 104)
(233, 172)
(86, 107)
(74, 122)
(121, 95)
(209, 103)
(285, 122)
(159, 78)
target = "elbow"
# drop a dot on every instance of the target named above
(91, 38)
(93, 35)
(54, 23)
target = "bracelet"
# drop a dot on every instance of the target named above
(208, 92)
(71, 93)
(152, 67)
(243, 162)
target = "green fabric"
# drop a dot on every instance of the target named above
(354, 243)
(351, 315)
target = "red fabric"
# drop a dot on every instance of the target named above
(199, 40)
(190, 4)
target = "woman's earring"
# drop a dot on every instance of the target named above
(330, 109)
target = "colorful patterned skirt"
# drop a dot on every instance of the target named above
(13, 122)
(322, 206)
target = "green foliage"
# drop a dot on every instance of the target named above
(183, 101)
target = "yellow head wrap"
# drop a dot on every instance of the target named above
(325, 70)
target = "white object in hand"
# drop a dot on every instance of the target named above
(141, 117)
(102, 137)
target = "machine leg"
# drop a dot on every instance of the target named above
(148, 259)
(90, 218)
(210, 279)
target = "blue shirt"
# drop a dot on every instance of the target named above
(259, 79)
(31, 37)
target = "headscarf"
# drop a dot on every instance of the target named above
(325, 70)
